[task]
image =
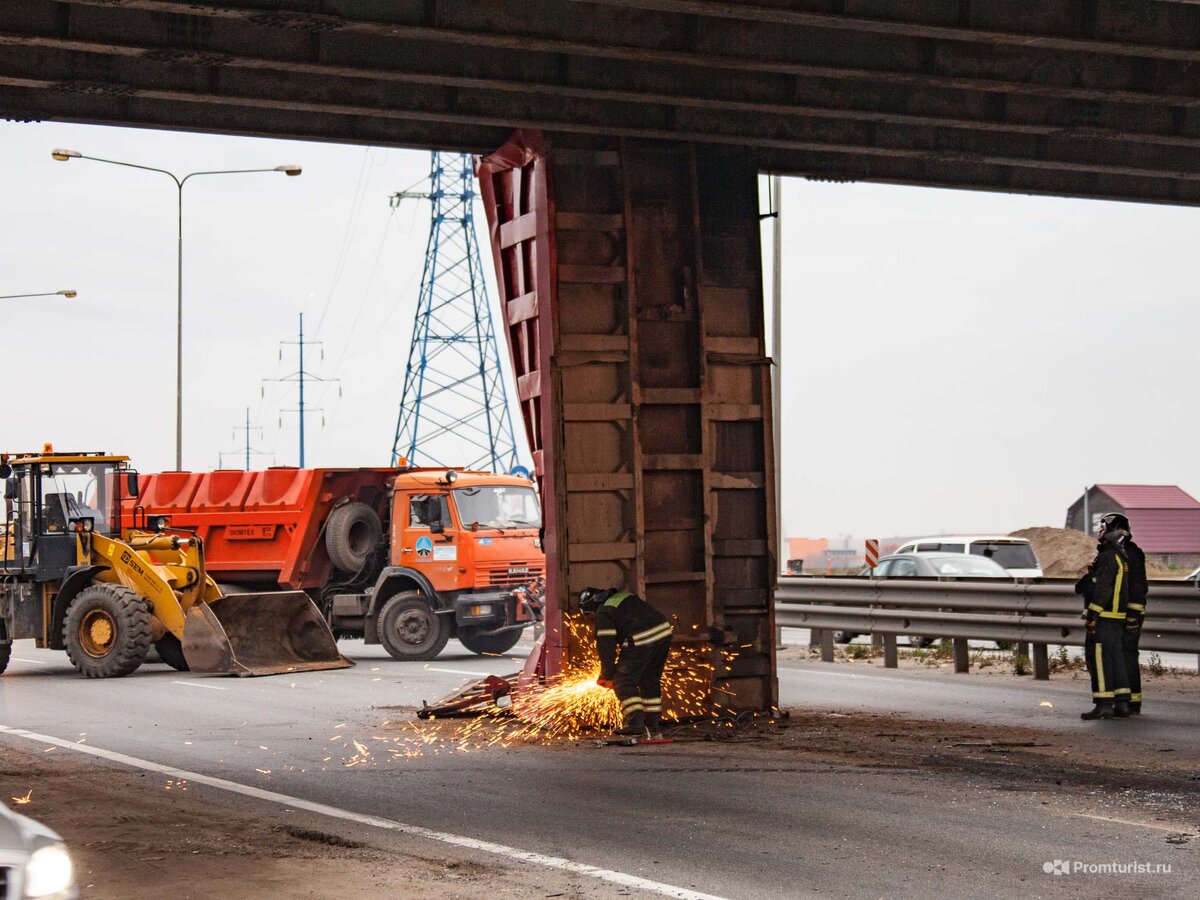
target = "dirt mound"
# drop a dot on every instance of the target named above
(1065, 554)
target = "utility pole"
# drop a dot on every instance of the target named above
(777, 354)
(249, 450)
(299, 377)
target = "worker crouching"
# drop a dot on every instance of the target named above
(642, 635)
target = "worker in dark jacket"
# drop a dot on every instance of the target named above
(1136, 611)
(1106, 591)
(643, 635)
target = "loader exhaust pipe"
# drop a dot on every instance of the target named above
(259, 634)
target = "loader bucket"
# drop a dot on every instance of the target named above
(259, 634)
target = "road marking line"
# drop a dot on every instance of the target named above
(211, 687)
(1127, 822)
(36, 662)
(333, 812)
(457, 672)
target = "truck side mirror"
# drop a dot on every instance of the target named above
(12, 487)
(131, 483)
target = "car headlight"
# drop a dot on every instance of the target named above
(48, 872)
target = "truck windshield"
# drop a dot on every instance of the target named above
(75, 491)
(498, 506)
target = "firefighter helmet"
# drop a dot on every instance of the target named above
(1114, 522)
(591, 599)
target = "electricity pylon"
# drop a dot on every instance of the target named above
(454, 409)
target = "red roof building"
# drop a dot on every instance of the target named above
(1165, 518)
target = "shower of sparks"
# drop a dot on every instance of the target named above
(565, 709)
(21, 801)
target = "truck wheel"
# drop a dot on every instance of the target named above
(170, 651)
(107, 631)
(5, 654)
(410, 629)
(493, 644)
(353, 534)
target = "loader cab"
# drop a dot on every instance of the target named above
(52, 499)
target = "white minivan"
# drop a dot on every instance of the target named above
(1015, 554)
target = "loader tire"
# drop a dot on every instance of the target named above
(353, 535)
(107, 631)
(5, 655)
(410, 629)
(170, 651)
(488, 644)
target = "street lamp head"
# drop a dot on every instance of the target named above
(289, 169)
(64, 155)
(68, 294)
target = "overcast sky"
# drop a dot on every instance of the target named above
(952, 360)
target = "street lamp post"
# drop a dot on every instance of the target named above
(66, 155)
(67, 294)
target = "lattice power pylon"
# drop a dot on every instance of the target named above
(454, 410)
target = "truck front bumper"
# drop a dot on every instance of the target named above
(491, 611)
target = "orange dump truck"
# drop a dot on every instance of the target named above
(404, 557)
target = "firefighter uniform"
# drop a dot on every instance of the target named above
(1136, 612)
(643, 635)
(1106, 588)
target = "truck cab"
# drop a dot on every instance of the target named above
(467, 539)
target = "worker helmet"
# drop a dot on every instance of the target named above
(591, 599)
(1114, 523)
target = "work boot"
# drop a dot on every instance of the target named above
(1102, 710)
(654, 726)
(1121, 709)
(1135, 707)
(634, 725)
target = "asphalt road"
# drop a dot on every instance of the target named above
(767, 826)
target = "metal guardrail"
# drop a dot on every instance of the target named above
(1037, 612)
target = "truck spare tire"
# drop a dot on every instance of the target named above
(353, 534)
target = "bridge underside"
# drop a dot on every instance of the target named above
(1093, 98)
(624, 217)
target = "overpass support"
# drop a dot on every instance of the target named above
(631, 278)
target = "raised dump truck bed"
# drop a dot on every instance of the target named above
(265, 526)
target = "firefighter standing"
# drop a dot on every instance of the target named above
(1136, 611)
(1106, 591)
(643, 635)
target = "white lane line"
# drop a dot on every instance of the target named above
(509, 853)
(457, 672)
(1127, 822)
(211, 687)
(36, 662)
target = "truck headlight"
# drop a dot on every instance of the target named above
(481, 610)
(49, 872)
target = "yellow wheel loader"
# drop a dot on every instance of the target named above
(75, 578)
